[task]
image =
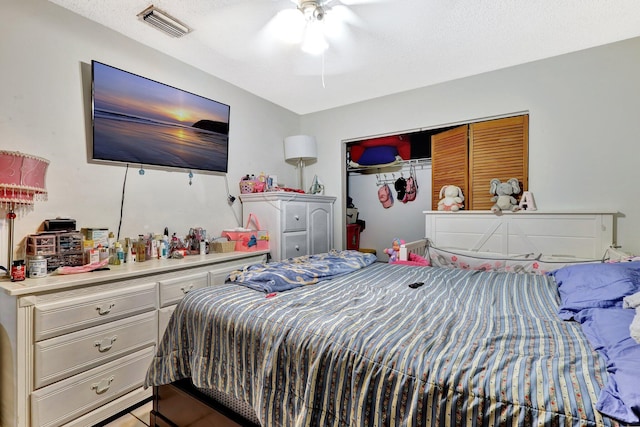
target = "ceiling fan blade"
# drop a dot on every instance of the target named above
(344, 14)
(286, 26)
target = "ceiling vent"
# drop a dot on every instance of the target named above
(163, 22)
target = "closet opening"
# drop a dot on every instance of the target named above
(391, 180)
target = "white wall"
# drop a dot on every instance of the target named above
(46, 53)
(583, 129)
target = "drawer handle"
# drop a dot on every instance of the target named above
(105, 344)
(103, 385)
(296, 217)
(186, 289)
(297, 248)
(105, 309)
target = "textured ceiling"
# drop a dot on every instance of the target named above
(385, 46)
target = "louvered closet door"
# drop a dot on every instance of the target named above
(449, 154)
(497, 149)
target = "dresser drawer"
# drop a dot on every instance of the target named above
(294, 216)
(173, 290)
(294, 244)
(72, 314)
(65, 400)
(61, 357)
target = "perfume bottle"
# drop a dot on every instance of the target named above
(141, 249)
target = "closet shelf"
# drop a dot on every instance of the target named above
(397, 166)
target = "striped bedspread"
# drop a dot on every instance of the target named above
(466, 348)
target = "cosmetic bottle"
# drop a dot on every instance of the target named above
(119, 254)
(103, 253)
(129, 258)
(113, 256)
(155, 254)
(126, 248)
(165, 247)
(141, 249)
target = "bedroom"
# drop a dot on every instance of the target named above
(583, 131)
(582, 110)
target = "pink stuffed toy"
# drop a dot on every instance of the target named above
(394, 255)
(394, 251)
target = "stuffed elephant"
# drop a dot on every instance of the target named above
(503, 198)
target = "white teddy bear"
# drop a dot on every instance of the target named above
(452, 200)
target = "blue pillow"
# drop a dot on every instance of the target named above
(379, 155)
(608, 331)
(601, 285)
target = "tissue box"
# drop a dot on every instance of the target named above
(100, 236)
(228, 246)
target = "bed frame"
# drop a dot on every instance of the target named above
(417, 247)
(556, 235)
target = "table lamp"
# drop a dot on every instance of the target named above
(22, 182)
(299, 149)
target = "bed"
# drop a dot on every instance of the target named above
(387, 345)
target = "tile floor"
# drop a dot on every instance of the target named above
(136, 417)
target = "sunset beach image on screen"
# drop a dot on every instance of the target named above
(140, 121)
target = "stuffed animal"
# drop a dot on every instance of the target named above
(451, 198)
(504, 191)
(394, 251)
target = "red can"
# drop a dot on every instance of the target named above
(17, 270)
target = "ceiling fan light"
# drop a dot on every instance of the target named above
(288, 26)
(313, 41)
(318, 13)
(312, 10)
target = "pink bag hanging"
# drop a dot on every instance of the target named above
(412, 187)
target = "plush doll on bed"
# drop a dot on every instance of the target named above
(394, 251)
(504, 191)
(394, 255)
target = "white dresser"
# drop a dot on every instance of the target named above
(74, 349)
(298, 224)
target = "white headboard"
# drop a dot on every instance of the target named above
(582, 235)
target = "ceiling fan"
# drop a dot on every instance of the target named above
(312, 22)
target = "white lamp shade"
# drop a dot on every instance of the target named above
(300, 147)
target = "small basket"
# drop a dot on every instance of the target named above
(228, 246)
(246, 186)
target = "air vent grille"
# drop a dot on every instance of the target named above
(163, 22)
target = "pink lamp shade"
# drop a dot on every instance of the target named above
(22, 179)
(21, 184)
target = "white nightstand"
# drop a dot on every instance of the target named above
(298, 224)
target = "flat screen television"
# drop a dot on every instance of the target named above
(137, 120)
